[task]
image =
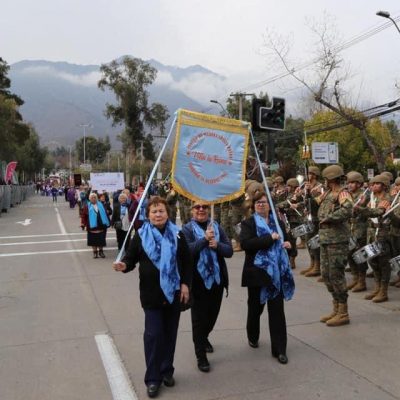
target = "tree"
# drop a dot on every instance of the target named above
(95, 149)
(129, 79)
(327, 81)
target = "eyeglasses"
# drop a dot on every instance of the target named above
(200, 207)
(261, 203)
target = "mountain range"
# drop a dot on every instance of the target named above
(59, 96)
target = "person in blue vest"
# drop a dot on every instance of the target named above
(96, 222)
(209, 246)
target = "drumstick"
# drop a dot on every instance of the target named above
(295, 209)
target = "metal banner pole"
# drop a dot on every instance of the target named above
(146, 189)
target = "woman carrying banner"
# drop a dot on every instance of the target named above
(209, 246)
(165, 273)
(266, 274)
(95, 219)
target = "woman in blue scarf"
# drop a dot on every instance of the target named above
(96, 221)
(165, 274)
(209, 246)
(267, 275)
(120, 220)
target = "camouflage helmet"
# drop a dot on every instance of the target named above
(384, 179)
(354, 176)
(292, 182)
(279, 179)
(248, 182)
(388, 174)
(397, 181)
(332, 172)
(314, 170)
(270, 182)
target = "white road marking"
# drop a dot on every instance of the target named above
(25, 223)
(32, 253)
(121, 386)
(44, 235)
(60, 223)
(49, 241)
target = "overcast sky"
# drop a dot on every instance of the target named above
(225, 36)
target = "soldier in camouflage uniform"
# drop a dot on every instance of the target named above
(279, 192)
(172, 198)
(358, 231)
(395, 229)
(292, 207)
(379, 230)
(335, 208)
(312, 189)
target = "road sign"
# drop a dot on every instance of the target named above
(325, 152)
(86, 167)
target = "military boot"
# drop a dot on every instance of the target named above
(353, 283)
(341, 318)
(382, 294)
(327, 317)
(236, 246)
(395, 282)
(310, 268)
(361, 283)
(301, 245)
(371, 295)
(292, 262)
(316, 271)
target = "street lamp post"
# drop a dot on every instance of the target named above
(70, 164)
(386, 14)
(84, 126)
(225, 113)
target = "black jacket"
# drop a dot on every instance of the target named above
(253, 276)
(224, 250)
(151, 294)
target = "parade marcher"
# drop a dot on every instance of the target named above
(71, 196)
(141, 217)
(172, 199)
(292, 209)
(267, 275)
(165, 273)
(96, 221)
(379, 231)
(334, 212)
(395, 229)
(54, 193)
(120, 220)
(280, 191)
(358, 232)
(184, 209)
(209, 246)
(312, 189)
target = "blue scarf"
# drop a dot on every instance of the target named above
(274, 261)
(123, 210)
(207, 266)
(142, 211)
(161, 250)
(93, 215)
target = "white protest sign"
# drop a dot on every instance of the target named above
(107, 181)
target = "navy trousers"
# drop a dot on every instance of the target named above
(160, 332)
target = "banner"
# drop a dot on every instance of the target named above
(209, 160)
(10, 170)
(107, 181)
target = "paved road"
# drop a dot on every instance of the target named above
(54, 299)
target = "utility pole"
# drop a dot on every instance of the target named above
(84, 126)
(240, 97)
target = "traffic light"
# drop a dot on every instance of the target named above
(256, 105)
(273, 118)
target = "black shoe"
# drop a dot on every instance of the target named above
(203, 364)
(254, 345)
(282, 358)
(153, 389)
(95, 255)
(169, 381)
(101, 254)
(208, 347)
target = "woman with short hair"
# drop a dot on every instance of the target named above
(165, 274)
(266, 274)
(96, 222)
